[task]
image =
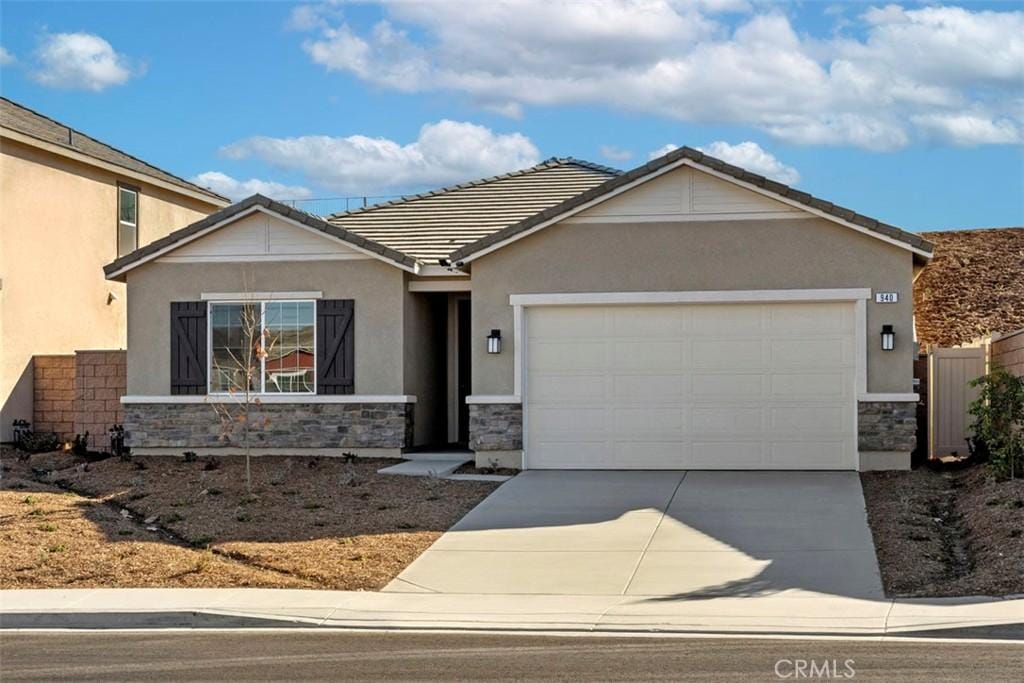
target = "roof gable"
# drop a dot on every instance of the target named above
(685, 156)
(259, 238)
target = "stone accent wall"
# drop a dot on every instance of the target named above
(495, 426)
(288, 425)
(53, 406)
(887, 426)
(100, 381)
(1008, 351)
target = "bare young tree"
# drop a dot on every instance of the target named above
(240, 414)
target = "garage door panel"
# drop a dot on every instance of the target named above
(719, 386)
(642, 321)
(728, 353)
(649, 388)
(568, 355)
(727, 386)
(808, 353)
(647, 420)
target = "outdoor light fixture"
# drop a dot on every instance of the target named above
(494, 342)
(888, 338)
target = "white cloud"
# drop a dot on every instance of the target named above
(661, 151)
(80, 61)
(967, 130)
(445, 152)
(615, 153)
(223, 184)
(752, 157)
(6, 57)
(680, 60)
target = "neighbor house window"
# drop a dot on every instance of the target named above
(127, 219)
(268, 344)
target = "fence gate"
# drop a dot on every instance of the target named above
(949, 397)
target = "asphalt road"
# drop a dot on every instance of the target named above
(303, 655)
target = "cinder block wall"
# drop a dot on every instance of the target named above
(79, 393)
(1008, 351)
(100, 381)
(53, 408)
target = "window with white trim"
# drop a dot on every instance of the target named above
(127, 219)
(269, 345)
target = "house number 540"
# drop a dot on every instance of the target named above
(886, 297)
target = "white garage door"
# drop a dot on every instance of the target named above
(722, 386)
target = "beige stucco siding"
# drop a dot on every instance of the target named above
(805, 253)
(57, 231)
(376, 287)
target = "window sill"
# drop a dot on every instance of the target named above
(274, 398)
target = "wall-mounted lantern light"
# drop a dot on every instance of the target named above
(888, 338)
(494, 342)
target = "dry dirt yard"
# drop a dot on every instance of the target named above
(947, 533)
(162, 521)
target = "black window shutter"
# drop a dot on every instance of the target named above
(188, 347)
(335, 341)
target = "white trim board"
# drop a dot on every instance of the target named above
(248, 212)
(705, 169)
(689, 217)
(889, 398)
(272, 398)
(259, 296)
(497, 399)
(693, 297)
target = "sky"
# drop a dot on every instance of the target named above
(910, 113)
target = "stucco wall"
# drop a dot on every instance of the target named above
(57, 231)
(807, 253)
(376, 287)
(424, 374)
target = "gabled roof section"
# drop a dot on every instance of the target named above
(974, 286)
(696, 159)
(430, 226)
(23, 120)
(225, 216)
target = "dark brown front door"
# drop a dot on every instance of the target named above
(464, 368)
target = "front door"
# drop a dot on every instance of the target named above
(463, 365)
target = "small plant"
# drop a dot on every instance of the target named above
(999, 421)
(59, 548)
(80, 445)
(171, 518)
(33, 442)
(46, 527)
(248, 499)
(29, 500)
(124, 532)
(201, 541)
(243, 517)
(213, 492)
(36, 512)
(211, 464)
(190, 456)
(311, 506)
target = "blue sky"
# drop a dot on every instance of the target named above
(913, 114)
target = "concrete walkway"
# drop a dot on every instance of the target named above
(670, 535)
(795, 612)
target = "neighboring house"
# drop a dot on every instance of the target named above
(686, 314)
(973, 287)
(70, 204)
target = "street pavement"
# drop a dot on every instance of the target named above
(307, 655)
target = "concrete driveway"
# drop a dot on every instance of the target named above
(668, 534)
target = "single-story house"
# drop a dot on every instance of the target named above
(972, 288)
(685, 314)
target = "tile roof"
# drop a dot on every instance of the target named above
(28, 122)
(430, 226)
(974, 286)
(138, 256)
(915, 241)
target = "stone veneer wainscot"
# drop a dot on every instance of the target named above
(496, 426)
(887, 426)
(289, 425)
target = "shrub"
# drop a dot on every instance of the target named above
(39, 442)
(999, 420)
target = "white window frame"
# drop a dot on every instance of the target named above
(134, 226)
(263, 361)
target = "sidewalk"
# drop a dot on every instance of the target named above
(790, 613)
